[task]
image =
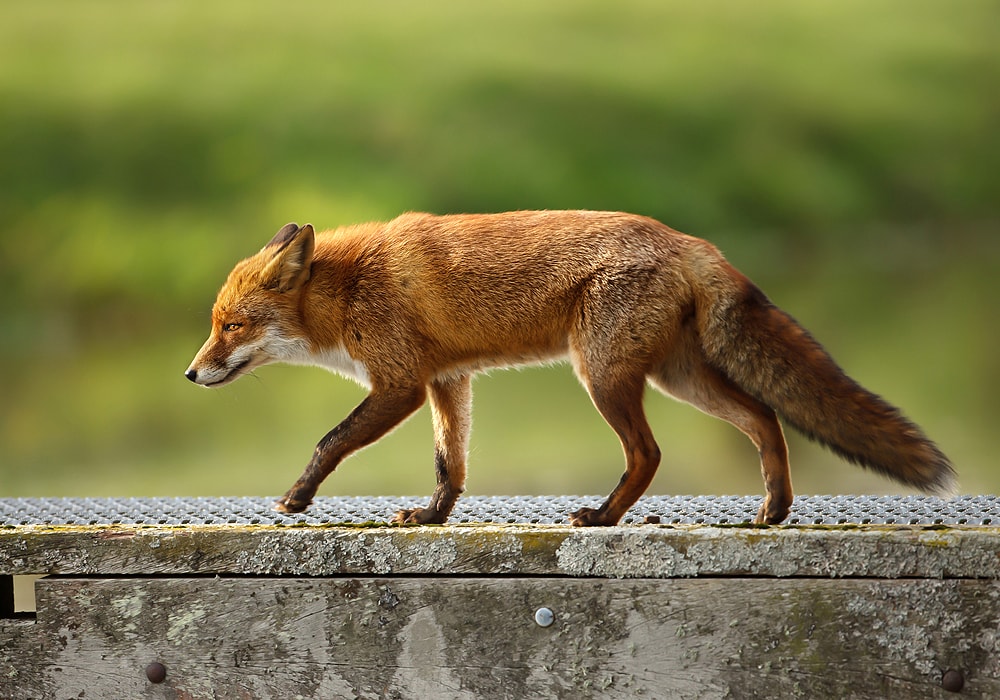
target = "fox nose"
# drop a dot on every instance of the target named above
(192, 374)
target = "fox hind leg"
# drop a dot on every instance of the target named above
(451, 410)
(694, 381)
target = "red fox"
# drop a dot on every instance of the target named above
(413, 308)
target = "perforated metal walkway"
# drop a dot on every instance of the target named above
(832, 510)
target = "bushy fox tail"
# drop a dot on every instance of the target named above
(764, 351)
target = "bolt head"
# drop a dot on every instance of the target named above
(156, 672)
(544, 617)
(953, 681)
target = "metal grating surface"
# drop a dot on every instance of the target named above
(832, 510)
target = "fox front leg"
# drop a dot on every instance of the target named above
(379, 413)
(451, 409)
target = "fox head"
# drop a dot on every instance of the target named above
(255, 319)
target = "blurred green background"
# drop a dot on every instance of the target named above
(845, 155)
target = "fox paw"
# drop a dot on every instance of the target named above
(418, 516)
(287, 504)
(768, 515)
(589, 517)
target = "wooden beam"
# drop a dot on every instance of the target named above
(477, 638)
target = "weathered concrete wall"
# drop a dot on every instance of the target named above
(448, 612)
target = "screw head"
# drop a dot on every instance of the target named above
(953, 681)
(544, 617)
(156, 672)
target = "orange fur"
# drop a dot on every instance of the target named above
(414, 307)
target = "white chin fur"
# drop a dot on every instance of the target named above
(273, 347)
(335, 359)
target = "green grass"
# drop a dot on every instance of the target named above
(843, 154)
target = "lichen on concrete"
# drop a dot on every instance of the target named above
(616, 552)
(621, 553)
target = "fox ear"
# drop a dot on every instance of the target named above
(284, 236)
(292, 251)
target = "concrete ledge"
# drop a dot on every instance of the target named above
(646, 551)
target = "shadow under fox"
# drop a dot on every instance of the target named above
(413, 308)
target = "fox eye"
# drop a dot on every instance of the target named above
(230, 327)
